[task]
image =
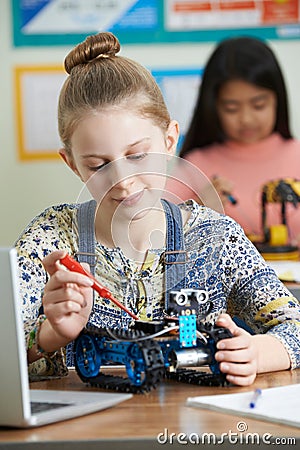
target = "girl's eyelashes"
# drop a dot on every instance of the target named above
(136, 156)
(96, 168)
(230, 110)
(133, 157)
(259, 106)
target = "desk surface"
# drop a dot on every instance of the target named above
(147, 415)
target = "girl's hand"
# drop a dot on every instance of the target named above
(67, 299)
(223, 187)
(238, 356)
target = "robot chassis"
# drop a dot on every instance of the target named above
(150, 351)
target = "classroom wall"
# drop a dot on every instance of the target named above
(29, 187)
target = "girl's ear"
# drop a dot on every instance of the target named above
(68, 159)
(172, 137)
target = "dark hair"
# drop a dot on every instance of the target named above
(99, 78)
(244, 58)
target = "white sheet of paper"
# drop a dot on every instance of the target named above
(279, 404)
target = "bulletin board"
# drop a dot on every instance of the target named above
(37, 90)
(67, 22)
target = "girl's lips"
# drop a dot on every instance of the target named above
(131, 200)
(248, 132)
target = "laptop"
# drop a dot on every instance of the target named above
(17, 401)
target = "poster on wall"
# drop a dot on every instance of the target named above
(67, 22)
(180, 89)
(50, 22)
(36, 91)
(182, 15)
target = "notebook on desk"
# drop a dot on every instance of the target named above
(278, 404)
(17, 401)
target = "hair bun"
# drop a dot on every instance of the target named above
(96, 46)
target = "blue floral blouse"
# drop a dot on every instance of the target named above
(220, 259)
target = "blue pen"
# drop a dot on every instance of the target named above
(232, 199)
(256, 396)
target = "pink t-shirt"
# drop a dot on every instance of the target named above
(248, 167)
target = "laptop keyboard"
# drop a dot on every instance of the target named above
(37, 407)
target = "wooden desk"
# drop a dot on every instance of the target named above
(145, 416)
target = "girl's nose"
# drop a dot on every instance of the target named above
(246, 115)
(120, 173)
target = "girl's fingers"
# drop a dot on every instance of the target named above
(56, 311)
(65, 294)
(243, 370)
(242, 374)
(63, 277)
(235, 343)
(240, 380)
(58, 305)
(225, 321)
(222, 185)
(237, 356)
(51, 261)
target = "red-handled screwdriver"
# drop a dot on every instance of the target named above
(74, 266)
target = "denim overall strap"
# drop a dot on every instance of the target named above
(175, 254)
(86, 252)
(86, 234)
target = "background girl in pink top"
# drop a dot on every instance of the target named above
(240, 135)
